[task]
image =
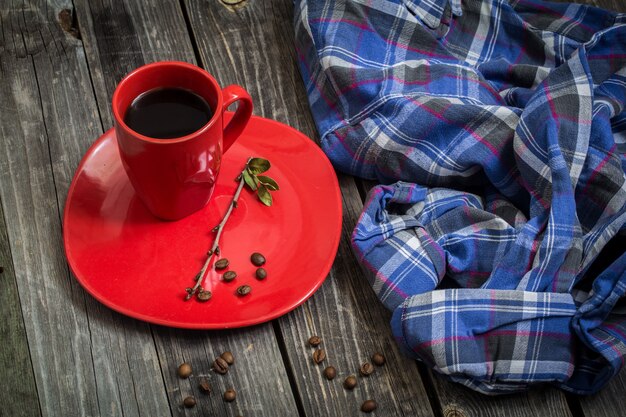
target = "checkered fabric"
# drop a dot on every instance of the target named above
(499, 243)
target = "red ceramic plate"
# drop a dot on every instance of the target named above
(140, 266)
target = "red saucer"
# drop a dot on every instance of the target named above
(140, 266)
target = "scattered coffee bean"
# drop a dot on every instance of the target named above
(184, 370)
(369, 406)
(366, 369)
(257, 259)
(261, 274)
(319, 355)
(378, 359)
(220, 365)
(330, 373)
(221, 264)
(229, 276)
(315, 340)
(189, 402)
(244, 290)
(205, 386)
(228, 357)
(1, 269)
(350, 382)
(204, 295)
(230, 395)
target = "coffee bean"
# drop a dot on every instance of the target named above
(366, 369)
(205, 386)
(261, 274)
(257, 259)
(204, 295)
(229, 276)
(330, 373)
(221, 264)
(184, 370)
(1, 269)
(315, 341)
(350, 382)
(228, 357)
(244, 290)
(220, 365)
(230, 395)
(189, 402)
(319, 355)
(369, 406)
(378, 359)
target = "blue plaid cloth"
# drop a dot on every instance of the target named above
(499, 127)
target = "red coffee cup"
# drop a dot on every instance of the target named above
(176, 177)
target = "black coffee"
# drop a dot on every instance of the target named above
(166, 113)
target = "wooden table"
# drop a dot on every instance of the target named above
(64, 354)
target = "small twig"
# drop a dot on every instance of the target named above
(215, 248)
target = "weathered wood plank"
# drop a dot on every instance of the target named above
(125, 360)
(344, 311)
(118, 38)
(459, 401)
(258, 375)
(610, 402)
(252, 45)
(87, 359)
(53, 308)
(353, 325)
(18, 395)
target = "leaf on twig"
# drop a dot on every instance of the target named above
(258, 166)
(268, 182)
(262, 184)
(264, 195)
(250, 180)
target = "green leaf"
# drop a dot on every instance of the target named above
(268, 182)
(250, 180)
(258, 165)
(264, 195)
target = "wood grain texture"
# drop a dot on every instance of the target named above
(52, 306)
(458, 401)
(253, 46)
(344, 311)
(125, 363)
(353, 324)
(87, 359)
(18, 395)
(258, 375)
(119, 37)
(610, 402)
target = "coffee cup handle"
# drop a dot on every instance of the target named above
(239, 121)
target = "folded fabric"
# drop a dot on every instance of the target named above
(500, 248)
